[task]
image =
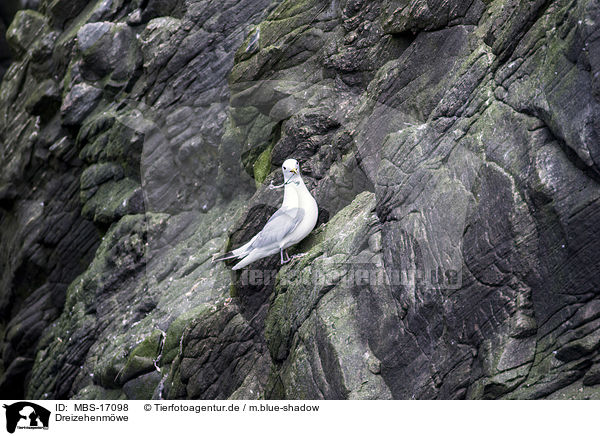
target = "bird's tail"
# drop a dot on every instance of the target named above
(228, 255)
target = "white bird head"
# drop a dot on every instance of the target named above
(290, 169)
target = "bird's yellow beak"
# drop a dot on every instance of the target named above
(293, 170)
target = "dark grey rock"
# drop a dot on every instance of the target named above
(452, 148)
(109, 49)
(79, 102)
(143, 387)
(62, 12)
(592, 376)
(416, 15)
(5, 54)
(27, 27)
(45, 100)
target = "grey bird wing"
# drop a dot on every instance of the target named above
(253, 44)
(281, 224)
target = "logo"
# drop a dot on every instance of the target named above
(26, 415)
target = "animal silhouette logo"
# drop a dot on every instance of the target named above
(26, 415)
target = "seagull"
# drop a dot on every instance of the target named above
(294, 220)
(253, 45)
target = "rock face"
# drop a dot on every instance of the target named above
(453, 149)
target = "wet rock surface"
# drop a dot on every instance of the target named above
(452, 147)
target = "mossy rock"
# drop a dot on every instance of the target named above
(142, 359)
(175, 333)
(27, 27)
(95, 392)
(262, 166)
(142, 387)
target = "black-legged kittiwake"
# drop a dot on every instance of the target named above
(253, 45)
(294, 220)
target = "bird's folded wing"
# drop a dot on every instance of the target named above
(282, 223)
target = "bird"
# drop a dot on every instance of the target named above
(294, 220)
(253, 45)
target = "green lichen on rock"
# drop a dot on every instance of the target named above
(441, 139)
(257, 137)
(175, 333)
(27, 27)
(142, 359)
(312, 295)
(113, 200)
(262, 166)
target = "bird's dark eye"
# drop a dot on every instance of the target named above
(284, 168)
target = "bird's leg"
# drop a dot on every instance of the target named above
(296, 256)
(287, 257)
(281, 250)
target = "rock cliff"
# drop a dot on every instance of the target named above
(453, 148)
